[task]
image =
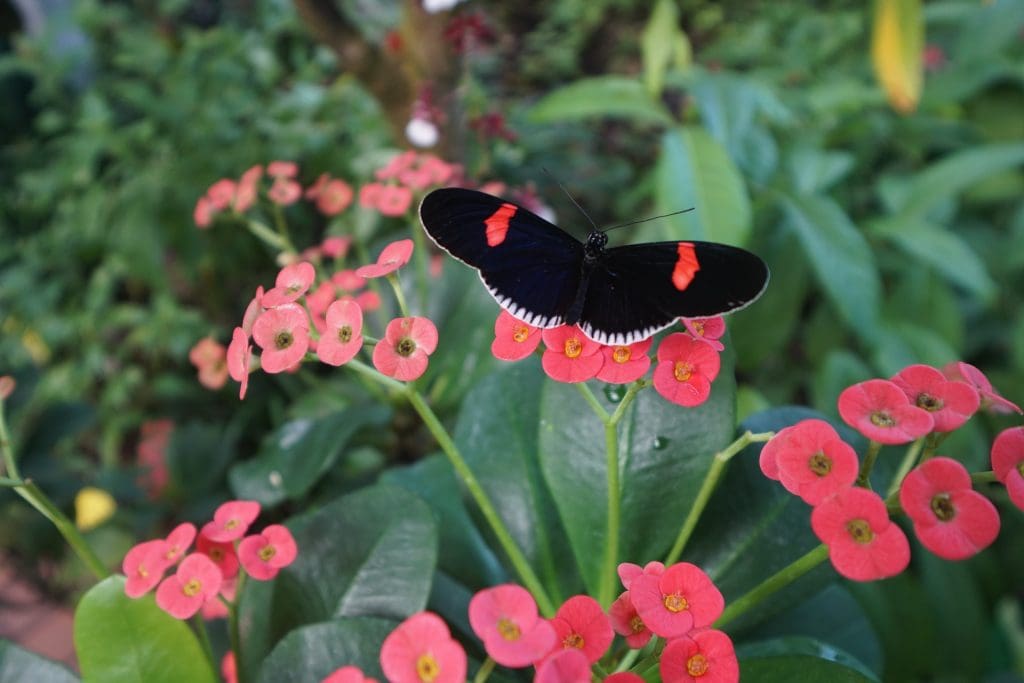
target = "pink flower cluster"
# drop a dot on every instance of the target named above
(330, 195)
(688, 362)
(297, 316)
(950, 519)
(211, 360)
(678, 603)
(205, 579)
(405, 174)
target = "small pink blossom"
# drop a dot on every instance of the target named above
(628, 571)
(1008, 462)
(284, 191)
(686, 368)
(282, 169)
(674, 603)
(404, 350)
(252, 311)
(880, 410)
(335, 246)
(391, 258)
(627, 622)
(505, 617)
(863, 543)
(625, 364)
(564, 666)
(231, 520)
(348, 281)
(202, 214)
(709, 330)
(239, 357)
(950, 403)
(264, 554)
(144, 566)
(335, 197)
(813, 462)
(702, 657)
(222, 553)
(581, 623)
(179, 541)
(991, 400)
(292, 282)
(221, 194)
(342, 337)
(421, 650)
(210, 358)
(348, 674)
(570, 355)
(197, 580)
(513, 339)
(394, 200)
(283, 334)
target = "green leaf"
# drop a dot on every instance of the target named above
(120, 640)
(664, 452)
(298, 453)
(814, 170)
(941, 249)
(21, 666)
(695, 171)
(311, 653)
(497, 433)
(956, 173)
(371, 553)
(615, 96)
(840, 257)
(799, 660)
(657, 44)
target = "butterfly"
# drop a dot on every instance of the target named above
(545, 277)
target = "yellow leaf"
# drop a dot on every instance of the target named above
(93, 506)
(897, 43)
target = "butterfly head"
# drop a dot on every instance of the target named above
(595, 244)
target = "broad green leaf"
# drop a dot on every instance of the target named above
(695, 171)
(615, 96)
(298, 453)
(954, 174)
(371, 553)
(311, 653)
(814, 170)
(897, 41)
(21, 666)
(463, 552)
(840, 257)
(121, 640)
(799, 660)
(657, 43)
(497, 434)
(664, 451)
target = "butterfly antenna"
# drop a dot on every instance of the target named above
(572, 199)
(644, 220)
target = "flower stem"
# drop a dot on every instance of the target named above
(422, 264)
(592, 401)
(515, 555)
(718, 463)
(983, 477)
(397, 287)
(234, 630)
(204, 638)
(863, 478)
(905, 466)
(773, 583)
(484, 672)
(269, 237)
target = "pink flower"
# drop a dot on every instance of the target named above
(990, 398)
(628, 571)
(686, 368)
(421, 650)
(151, 451)
(369, 194)
(768, 458)
(394, 200)
(343, 336)
(253, 311)
(283, 334)
(404, 350)
(627, 622)
(267, 552)
(348, 674)
(196, 581)
(215, 608)
(950, 403)
(1008, 462)
(282, 169)
(335, 247)
(708, 329)
(284, 191)
(704, 657)
(334, 198)
(239, 356)
(202, 215)
(950, 518)
(570, 355)
(368, 301)
(248, 185)
(564, 666)
(222, 553)
(813, 462)
(862, 541)
(231, 520)
(625, 364)
(624, 677)
(513, 339)
(7, 385)
(210, 358)
(505, 618)
(398, 163)
(880, 410)
(144, 566)
(581, 623)
(221, 194)
(179, 541)
(393, 257)
(348, 281)
(678, 601)
(228, 668)
(292, 282)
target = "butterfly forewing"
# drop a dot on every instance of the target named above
(531, 267)
(637, 290)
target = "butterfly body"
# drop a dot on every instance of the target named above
(546, 277)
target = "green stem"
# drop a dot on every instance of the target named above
(204, 639)
(366, 371)
(718, 463)
(869, 462)
(905, 466)
(234, 630)
(397, 287)
(269, 237)
(37, 499)
(775, 582)
(7, 482)
(983, 477)
(592, 401)
(282, 229)
(484, 672)
(515, 555)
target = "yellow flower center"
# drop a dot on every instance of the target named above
(943, 508)
(520, 333)
(427, 668)
(267, 552)
(405, 347)
(142, 571)
(283, 340)
(637, 624)
(573, 640)
(682, 371)
(621, 354)
(508, 629)
(345, 333)
(697, 665)
(675, 603)
(820, 464)
(698, 327)
(860, 531)
(929, 402)
(882, 419)
(573, 347)
(192, 588)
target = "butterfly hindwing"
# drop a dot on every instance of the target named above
(531, 267)
(637, 290)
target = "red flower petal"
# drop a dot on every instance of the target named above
(880, 410)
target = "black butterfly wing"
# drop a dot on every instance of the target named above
(531, 267)
(638, 290)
